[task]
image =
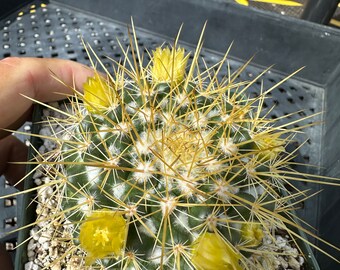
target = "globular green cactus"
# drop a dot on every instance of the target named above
(167, 167)
(168, 171)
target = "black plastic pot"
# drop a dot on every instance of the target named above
(54, 31)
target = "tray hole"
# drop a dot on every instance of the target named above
(10, 246)
(37, 42)
(312, 110)
(6, 55)
(7, 185)
(55, 54)
(306, 158)
(22, 52)
(70, 51)
(290, 100)
(21, 44)
(287, 115)
(8, 202)
(73, 58)
(301, 205)
(21, 38)
(5, 34)
(6, 46)
(271, 80)
(134, 51)
(302, 114)
(117, 55)
(282, 90)
(273, 116)
(301, 98)
(10, 222)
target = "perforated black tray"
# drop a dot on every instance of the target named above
(55, 30)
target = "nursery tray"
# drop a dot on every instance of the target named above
(55, 29)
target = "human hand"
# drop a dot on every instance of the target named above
(30, 77)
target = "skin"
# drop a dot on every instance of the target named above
(33, 78)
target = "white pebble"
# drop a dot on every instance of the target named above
(30, 255)
(46, 112)
(293, 263)
(45, 132)
(301, 260)
(283, 262)
(37, 181)
(31, 245)
(31, 266)
(281, 242)
(46, 245)
(37, 174)
(46, 179)
(42, 149)
(35, 234)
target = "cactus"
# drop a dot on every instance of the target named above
(165, 167)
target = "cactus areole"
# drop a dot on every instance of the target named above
(168, 167)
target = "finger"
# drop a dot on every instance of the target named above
(13, 150)
(32, 77)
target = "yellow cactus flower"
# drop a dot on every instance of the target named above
(252, 234)
(103, 233)
(270, 145)
(211, 252)
(97, 94)
(168, 65)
